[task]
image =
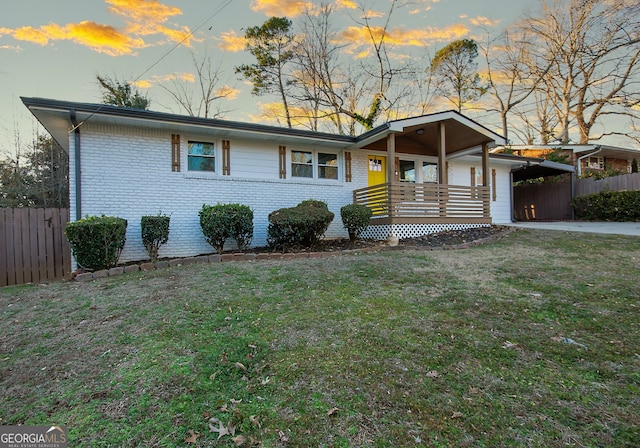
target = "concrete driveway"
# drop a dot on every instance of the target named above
(614, 228)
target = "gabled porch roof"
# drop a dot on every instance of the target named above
(421, 135)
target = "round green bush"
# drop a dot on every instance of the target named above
(222, 221)
(356, 219)
(155, 233)
(302, 225)
(97, 241)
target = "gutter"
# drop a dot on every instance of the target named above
(584, 157)
(76, 155)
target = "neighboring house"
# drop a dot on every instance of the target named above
(586, 158)
(419, 175)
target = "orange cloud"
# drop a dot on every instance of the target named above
(227, 92)
(142, 18)
(402, 37)
(148, 83)
(483, 21)
(280, 8)
(349, 4)
(146, 17)
(232, 42)
(102, 38)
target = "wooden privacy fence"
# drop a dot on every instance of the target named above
(33, 247)
(615, 183)
(543, 201)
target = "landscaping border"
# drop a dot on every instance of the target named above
(224, 258)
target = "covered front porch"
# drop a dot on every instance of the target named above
(410, 194)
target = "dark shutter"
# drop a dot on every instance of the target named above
(175, 152)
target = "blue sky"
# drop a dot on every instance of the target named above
(56, 51)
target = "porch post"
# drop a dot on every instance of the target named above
(485, 180)
(485, 165)
(442, 170)
(442, 155)
(391, 157)
(391, 172)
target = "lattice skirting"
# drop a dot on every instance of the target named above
(382, 232)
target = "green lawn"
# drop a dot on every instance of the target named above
(531, 341)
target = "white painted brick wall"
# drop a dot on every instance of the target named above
(127, 173)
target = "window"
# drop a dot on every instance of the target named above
(301, 164)
(595, 163)
(327, 166)
(314, 165)
(407, 170)
(201, 157)
(430, 172)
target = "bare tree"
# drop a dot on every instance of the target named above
(594, 47)
(347, 95)
(201, 96)
(513, 74)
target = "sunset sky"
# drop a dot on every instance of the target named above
(55, 49)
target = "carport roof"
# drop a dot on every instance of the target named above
(525, 168)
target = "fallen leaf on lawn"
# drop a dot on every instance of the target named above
(433, 374)
(230, 310)
(253, 346)
(283, 437)
(474, 390)
(456, 414)
(221, 429)
(509, 344)
(239, 440)
(224, 358)
(332, 411)
(232, 428)
(253, 441)
(227, 318)
(224, 408)
(192, 438)
(206, 414)
(240, 366)
(235, 401)
(254, 421)
(213, 376)
(265, 381)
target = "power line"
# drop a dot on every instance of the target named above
(167, 53)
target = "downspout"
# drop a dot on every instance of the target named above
(76, 155)
(513, 210)
(584, 157)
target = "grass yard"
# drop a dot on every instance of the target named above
(531, 341)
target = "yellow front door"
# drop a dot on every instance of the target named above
(377, 170)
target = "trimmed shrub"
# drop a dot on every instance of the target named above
(355, 218)
(222, 221)
(302, 225)
(241, 222)
(608, 206)
(97, 241)
(155, 233)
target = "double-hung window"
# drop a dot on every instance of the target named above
(201, 156)
(314, 164)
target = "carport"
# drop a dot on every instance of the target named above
(549, 200)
